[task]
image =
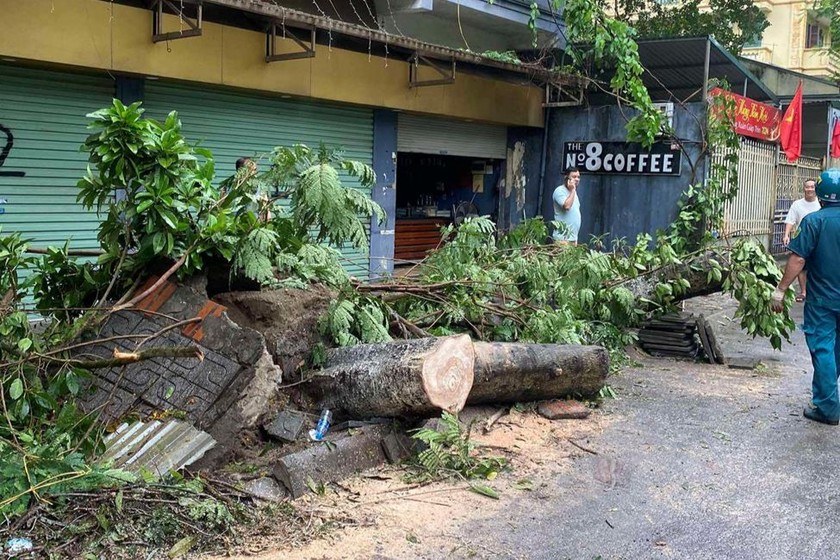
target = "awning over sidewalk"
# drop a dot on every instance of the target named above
(679, 68)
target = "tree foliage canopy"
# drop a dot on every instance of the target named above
(830, 10)
(732, 22)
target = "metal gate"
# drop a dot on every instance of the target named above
(430, 135)
(789, 180)
(748, 214)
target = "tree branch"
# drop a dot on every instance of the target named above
(122, 358)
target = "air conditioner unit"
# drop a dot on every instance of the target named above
(667, 110)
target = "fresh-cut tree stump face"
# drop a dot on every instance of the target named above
(399, 378)
(448, 373)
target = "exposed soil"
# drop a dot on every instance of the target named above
(287, 318)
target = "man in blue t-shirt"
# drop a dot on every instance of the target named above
(817, 247)
(567, 208)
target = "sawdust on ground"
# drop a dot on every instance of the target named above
(383, 515)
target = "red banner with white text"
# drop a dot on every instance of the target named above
(753, 118)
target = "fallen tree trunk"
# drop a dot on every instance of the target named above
(422, 376)
(694, 269)
(402, 378)
(509, 372)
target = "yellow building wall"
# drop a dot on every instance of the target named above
(784, 40)
(105, 36)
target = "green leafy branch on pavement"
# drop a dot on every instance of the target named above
(449, 452)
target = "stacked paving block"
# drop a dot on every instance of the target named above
(680, 336)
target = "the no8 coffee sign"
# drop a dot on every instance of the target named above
(622, 158)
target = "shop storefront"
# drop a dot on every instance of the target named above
(446, 171)
(233, 124)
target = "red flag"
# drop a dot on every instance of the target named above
(835, 139)
(791, 128)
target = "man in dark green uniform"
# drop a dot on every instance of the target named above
(817, 248)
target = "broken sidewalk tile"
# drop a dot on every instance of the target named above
(671, 335)
(226, 392)
(155, 447)
(563, 410)
(705, 329)
(289, 424)
(397, 446)
(265, 488)
(332, 460)
(205, 390)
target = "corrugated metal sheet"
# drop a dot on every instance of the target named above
(156, 447)
(429, 135)
(45, 112)
(232, 124)
(675, 70)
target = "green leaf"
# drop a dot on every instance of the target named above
(16, 389)
(24, 410)
(103, 521)
(24, 344)
(484, 491)
(72, 383)
(25, 437)
(182, 547)
(158, 242)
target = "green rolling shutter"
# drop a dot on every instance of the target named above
(45, 113)
(232, 124)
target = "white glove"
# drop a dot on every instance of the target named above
(777, 301)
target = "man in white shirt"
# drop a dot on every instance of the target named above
(567, 208)
(798, 210)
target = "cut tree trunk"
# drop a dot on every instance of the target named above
(509, 372)
(695, 270)
(401, 378)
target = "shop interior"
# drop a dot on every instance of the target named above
(435, 190)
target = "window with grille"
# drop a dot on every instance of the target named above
(753, 41)
(814, 36)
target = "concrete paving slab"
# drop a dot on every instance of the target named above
(288, 424)
(340, 456)
(235, 375)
